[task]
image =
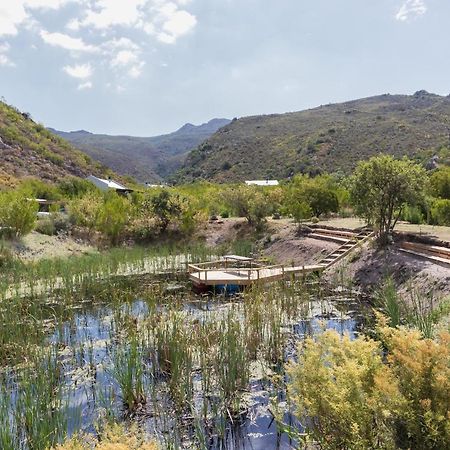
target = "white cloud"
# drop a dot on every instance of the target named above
(4, 58)
(108, 13)
(14, 13)
(411, 9)
(136, 70)
(84, 86)
(94, 26)
(67, 42)
(81, 71)
(124, 58)
(170, 22)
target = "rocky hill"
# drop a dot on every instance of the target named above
(330, 138)
(28, 149)
(147, 159)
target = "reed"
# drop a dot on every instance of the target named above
(173, 357)
(129, 372)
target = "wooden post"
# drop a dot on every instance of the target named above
(206, 274)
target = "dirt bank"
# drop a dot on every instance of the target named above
(35, 246)
(366, 267)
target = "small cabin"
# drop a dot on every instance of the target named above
(105, 185)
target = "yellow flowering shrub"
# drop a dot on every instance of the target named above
(422, 368)
(113, 438)
(362, 395)
(346, 395)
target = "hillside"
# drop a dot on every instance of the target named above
(330, 138)
(147, 159)
(28, 149)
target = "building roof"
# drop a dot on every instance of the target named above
(108, 184)
(262, 183)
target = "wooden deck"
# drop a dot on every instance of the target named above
(243, 276)
(240, 271)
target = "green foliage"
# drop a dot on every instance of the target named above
(84, 211)
(440, 212)
(382, 186)
(73, 187)
(40, 189)
(17, 213)
(307, 197)
(166, 207)
(440, 183)
(387, 298)
(249, 202)
(113, 216)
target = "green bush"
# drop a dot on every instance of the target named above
(440, 212)
(17, 213)
(113, 216)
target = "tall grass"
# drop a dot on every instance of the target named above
(129, 373)
(388, 299)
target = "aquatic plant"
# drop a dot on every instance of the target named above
(128, 370)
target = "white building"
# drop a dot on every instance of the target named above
(262, 183)
(105, 185)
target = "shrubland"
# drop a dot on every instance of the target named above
(382, 190)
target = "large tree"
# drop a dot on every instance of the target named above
(382, 186)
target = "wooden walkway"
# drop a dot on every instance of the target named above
(240, 271)
(243, 276)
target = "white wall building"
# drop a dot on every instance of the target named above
(105, 185)
(262, 183)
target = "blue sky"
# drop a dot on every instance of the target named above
(144, 67)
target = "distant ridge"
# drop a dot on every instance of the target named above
(147, 159)
(330, 138)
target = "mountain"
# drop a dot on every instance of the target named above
(28, 149)
(330, 138)
(144, 158)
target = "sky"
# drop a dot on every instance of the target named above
(146, 67)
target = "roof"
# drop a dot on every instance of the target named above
(110, 184)
(262, 183)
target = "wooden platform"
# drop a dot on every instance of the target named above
(228, 272)
(241, 271)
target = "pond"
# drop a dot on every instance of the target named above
(193, 371)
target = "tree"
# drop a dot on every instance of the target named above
(308, 197)
(166, 208)
(440, 183)
(248, 202)
(381, 187)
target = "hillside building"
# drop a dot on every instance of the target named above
(109, 184)
(262, 183)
